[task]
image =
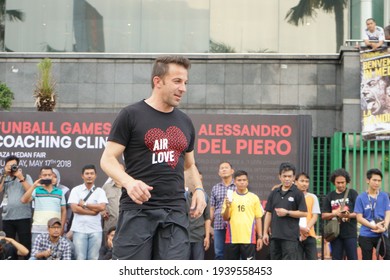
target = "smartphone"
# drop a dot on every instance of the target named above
(45, 182)
(229, 195)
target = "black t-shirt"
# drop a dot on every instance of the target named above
(332, 202)
(8, 252)
(286, 228)
(156, 144)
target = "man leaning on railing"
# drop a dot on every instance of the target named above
(373, 36)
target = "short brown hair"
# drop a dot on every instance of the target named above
(161, 65)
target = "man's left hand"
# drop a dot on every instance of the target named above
(259, 244)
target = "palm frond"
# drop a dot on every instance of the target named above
(305, 9)
(14, 15)
(329, 5)
(219, 47)
(45, 90)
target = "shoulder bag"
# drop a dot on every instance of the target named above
(332, 227)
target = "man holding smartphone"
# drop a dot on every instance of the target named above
(335, 206)
(218, 194)
(49, 202)
(242, 210)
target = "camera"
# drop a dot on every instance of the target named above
(45, 182)
(53, 256)
(14, 168)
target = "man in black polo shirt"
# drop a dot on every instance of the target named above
(285, 205)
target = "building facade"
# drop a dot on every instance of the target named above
(184, 26)
(327, 87)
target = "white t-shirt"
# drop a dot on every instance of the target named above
(378, 34)
(87, 223)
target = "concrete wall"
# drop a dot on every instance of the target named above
(323, 86)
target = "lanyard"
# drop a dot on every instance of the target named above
(372, 205)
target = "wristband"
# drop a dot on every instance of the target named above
(199, 188)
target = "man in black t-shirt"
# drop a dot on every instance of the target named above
(157, 142)
(336, 207)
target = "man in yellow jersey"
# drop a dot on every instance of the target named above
(243, 212)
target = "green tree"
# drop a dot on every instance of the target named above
(307, 9)
(6, 97)
(10, 15)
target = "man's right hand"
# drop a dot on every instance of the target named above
(37, 183)
(105, 215)
(227, 202)
(138, 191)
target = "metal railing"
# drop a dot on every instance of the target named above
(354, 42)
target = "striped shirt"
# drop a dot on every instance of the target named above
(47, 205)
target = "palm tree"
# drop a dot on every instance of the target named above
(45, 93)
(307, 9)
(10, 15)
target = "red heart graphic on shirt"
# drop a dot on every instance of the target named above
(173, 140)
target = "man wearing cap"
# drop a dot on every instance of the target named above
(51, 246)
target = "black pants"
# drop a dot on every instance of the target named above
(197, 250)
(308, 249)
(20, 228)
(281, 249)
(158, 234)
(240, 252)
(367, 244)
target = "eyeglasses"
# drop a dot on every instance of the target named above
(55, 227)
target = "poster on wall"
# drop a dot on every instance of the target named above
(68, 141)
(257, 144)
(375, 94)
